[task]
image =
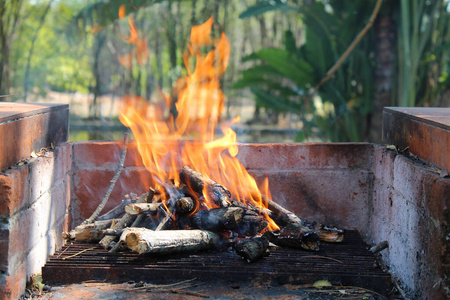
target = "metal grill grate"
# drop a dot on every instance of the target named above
(349, 263)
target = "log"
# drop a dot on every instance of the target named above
(140, 208)
(294, 237)
(185, 205)
(88, 233)
(168, 241)
(251, 224)
(218, 219)
(252, 249)
(200, 184)
(125, 221)
(282, 217)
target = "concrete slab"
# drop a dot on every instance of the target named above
(423, 131)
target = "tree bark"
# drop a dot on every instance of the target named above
(385, 32)
(168, 241)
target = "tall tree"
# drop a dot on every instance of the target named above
(10, 12)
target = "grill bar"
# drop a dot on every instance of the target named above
(355, 266)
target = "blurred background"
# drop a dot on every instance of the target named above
(90, 53)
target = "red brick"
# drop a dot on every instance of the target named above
(91, 185)
(13, 187)
(104, 154)
(274, 157)
(13, 286)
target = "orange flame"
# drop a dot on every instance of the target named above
(141, 49)
(167, 142)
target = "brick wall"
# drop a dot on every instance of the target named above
(34, 202)
(411, 211)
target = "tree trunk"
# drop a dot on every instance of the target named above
(94, 109)
(385, 31)
(9, 17)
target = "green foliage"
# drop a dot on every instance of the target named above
(423, 51)
(57, 64)
(104, 12)
(281, 79)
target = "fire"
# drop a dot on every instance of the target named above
(167, 142)
(141, 50)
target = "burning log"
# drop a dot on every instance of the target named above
(251, 225)
(284, 217)
(168, 241)
(197, 182)
(219, 219)
(185, 205)
(88, 233)
(294, 237)
(253, 249)
(125, 221)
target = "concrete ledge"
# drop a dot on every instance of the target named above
(26, 127)
(426, 131)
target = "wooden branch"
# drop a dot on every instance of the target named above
(252, 249)
(200, 184)
(88, 233)
(125, 221)
(168, 241)
(112, 182)
(117, 211)
(350, 48)
(140, 208)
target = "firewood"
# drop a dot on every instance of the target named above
(253, 249)
(218, 219)
(251, 224)
(329, 234)
(168, 241)
(282, 217)
(200, 184)
(185, 205)
(139, 208)
(88, 233)
(125, 221)
(117, 211)
(294, 237)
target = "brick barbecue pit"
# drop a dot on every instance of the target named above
(381, 193)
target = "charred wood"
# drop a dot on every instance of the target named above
(218, 219)
(253, 249)
(200, 184)
(251, 224)
(185, 205)
(168, 241)
(285, 217)
(294, 237)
